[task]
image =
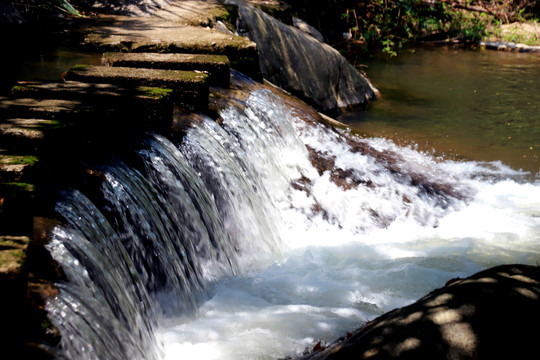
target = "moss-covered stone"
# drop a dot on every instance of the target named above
(47, 109)
(189, 88)
(16, 168)
(216, 66)
(134, 77)
(155, 93)
(18, 159)
(12, 256)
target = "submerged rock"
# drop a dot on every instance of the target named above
(297, 62)
(492, 314)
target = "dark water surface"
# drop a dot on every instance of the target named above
(461, 104)
(45, 63)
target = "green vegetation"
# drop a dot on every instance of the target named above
(389, 25)
(16, 186)
(45, 8)
(18, 159)
(154, 92)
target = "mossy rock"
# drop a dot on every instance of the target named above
(12, 256)
(189, 88)
(17, 168)
(216, 66)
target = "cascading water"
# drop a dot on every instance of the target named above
(258, 237)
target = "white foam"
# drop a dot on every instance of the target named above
(341, 267)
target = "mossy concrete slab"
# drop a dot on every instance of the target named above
(49, 109)
(26, 135)
(171, 31)
(12, 256)
(89, 92)
(13, 274)
(216, 66)
(141, 105)
(189, 87)
(67, 90)
(149, 104)
(17, 168)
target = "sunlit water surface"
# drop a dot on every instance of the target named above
(463, 104)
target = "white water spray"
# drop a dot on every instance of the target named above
(316, 250)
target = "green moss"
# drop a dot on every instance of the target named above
(16, 186)
(80, 67)
(154, 92)
(19, 89)
(13, 252)
(18, 159)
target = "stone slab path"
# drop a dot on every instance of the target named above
(154, 66)
(216, 66)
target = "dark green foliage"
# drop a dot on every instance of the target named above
(390, 24)
(45, 8)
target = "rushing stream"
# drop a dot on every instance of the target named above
(259, 237)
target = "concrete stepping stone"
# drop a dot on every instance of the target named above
(190, 88)
(216, 66)
(67, 90)
(49, 109)
(13, 274)
(17, 168)
(89, 92)
(145, 104)
(25, 135)
(149, 104)
(152, 34)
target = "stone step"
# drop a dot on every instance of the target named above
(190, 88)
(66, 90)
(26, 135)
(17, 168)
(89, 92)
(13, 276)
(73, 101)
(143, 35)
(48, 109)
(216, 66)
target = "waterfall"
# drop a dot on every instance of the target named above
(223, 242)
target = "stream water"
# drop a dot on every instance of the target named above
(462, 104)
(228, 243)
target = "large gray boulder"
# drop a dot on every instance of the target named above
(302, 65)
(493, 314)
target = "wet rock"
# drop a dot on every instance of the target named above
(297, 62)
(490, 315)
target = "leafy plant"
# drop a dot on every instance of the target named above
(390, 24)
